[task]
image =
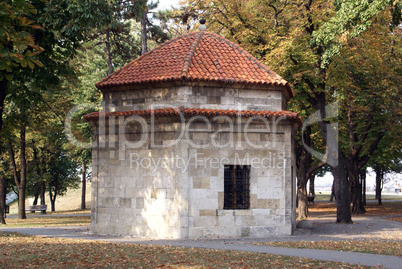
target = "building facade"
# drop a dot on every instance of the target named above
(194, 141)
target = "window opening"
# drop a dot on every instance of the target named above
(236, 187)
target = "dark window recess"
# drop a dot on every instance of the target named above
(237, 187)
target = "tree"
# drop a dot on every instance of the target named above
(2, 199)
(59, 35)
(298, 40)
(17, 44)
(366, 76)
(63, 172)
(386, 159)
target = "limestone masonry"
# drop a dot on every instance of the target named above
(194, 141)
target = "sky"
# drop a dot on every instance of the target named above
(166, 4)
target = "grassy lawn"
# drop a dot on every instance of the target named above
(48, 221)
(382, 247)
(324, 196)
(386, 209)
(20, 251)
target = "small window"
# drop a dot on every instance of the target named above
(237, 187)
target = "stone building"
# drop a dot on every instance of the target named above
(194, 141)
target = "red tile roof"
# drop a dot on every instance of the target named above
(200, 56)
(198, 112)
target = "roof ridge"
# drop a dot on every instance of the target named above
(190, 55)
(139, 59)
(248, 55)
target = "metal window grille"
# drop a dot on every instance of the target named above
(236, 187)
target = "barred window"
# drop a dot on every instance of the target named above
(236, 187)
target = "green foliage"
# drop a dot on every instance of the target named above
(17, 44)
(352, 18)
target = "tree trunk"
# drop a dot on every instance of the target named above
(23, 178)
(304, 162)
(36, 197)
(336, 160)
(42, 187)
(3, 94)
(35, 202)
(2, 199)
(53, 204)
(302, 207)
(341, 190)
(312, 188)
(144, 20)
(331, 198)
(52, 198)
(42, 193)
(363, 180)
(356, 192)
(84, 184)
(378, 183)
(108, 52)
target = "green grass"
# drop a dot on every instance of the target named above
(47, 221)
(71, 201)
(22, 251)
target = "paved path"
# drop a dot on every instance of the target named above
(323, 229)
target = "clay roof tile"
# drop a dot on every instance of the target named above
(200, 56)
(198, 112)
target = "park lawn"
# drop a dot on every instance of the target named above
(21, 251)
(373, 209)
(381, 247)
(48, 221)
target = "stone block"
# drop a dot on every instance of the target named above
(225, 212)
(211, 100)
(246, 212)
(265, 193)
(195, 232)
(205, 221)
(201, 182)
(245, 231)
(139, 203)
(227, 101)
(208, 212)
(226, 221)
(285, 230)
(221, 196)
(154, 193)
(125, 203)
(200, 136)
(268, 203)
(245, 221)
(253, 201)
(263, 182)
(259, 232)
(231, 92)
(184, 90)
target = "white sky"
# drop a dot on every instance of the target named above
(166, 4)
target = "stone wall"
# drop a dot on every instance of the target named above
(197, 96)
(169, 184)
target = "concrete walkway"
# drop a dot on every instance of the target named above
(323, 229)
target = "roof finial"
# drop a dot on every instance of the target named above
(202, 26)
